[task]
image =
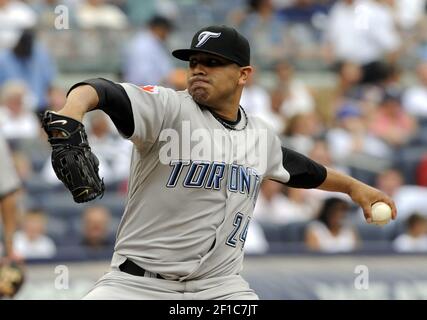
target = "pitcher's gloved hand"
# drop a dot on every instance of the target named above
(72, 159)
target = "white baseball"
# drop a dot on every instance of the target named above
(381, 213)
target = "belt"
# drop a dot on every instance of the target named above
(132, 268)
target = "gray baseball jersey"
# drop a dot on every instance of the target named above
(9, 180)
(193, 185)
(189, 207)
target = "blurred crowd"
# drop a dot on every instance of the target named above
(341, 81)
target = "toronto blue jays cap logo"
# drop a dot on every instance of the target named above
(205, 36)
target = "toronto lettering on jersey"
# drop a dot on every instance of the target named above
(248, 147)
(212, 175)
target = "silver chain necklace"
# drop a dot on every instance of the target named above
(229, 126)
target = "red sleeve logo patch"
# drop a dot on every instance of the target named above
(150, 89)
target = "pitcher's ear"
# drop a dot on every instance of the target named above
(245, 73)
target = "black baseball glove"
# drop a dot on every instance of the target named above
(72, 159)
(11, 279)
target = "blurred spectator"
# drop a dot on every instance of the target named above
(30, 62)
(56, 98)
(390, 181)
(415, 97)
(147, 60)
(257, 101)
(15, 112)
(32, 242)
(328, 233)
(294, 95)
(96, 224)
(262, 26)
(408, 198)
(349, 75)
(367, 24)
(391, 123)
(14, 17)
(351, 140)
(300, 132)
(415, 237)
(279, 204)
(92, 14)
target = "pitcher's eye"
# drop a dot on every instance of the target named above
(193, 62)
(213, 62)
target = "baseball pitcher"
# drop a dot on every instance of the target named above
(197, 164)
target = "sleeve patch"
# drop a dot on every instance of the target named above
(150, 89)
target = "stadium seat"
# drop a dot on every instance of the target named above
(271, 231)
(369, 232)
(293, 232)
